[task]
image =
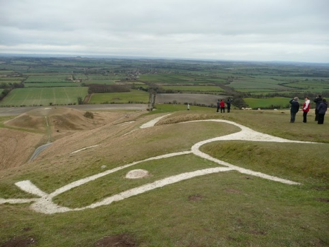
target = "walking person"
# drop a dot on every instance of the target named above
(322, 111)
(306, 108)
(228, 103)
(293, 109)
(222, 106)
(218, 105)
(317, 101)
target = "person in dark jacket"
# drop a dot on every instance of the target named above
(228, 103)
(294, 109)
(317, 101)
(322, 111)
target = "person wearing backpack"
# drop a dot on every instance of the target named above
(228, 103)
(322, 111)
(294, 109)
(317, 101)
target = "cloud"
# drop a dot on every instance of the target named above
(214, 29)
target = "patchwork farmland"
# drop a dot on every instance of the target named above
(29, 81)
(247, 178)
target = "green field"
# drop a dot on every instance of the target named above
(44, 96)
(265, 86)
(194, 89)
(51, 84)
(94, 81)
(168, 78)
(11, 80)
(9, 77)
(309, 85)
(135, 96)
(102, 77)
(190, 78)
(257, 83)
(48, 78)
(6, 72)
(276, 102)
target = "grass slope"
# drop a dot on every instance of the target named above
(224, 209)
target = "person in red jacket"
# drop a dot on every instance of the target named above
(306, 108)
(222, 106)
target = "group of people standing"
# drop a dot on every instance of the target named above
(320, 110)
(221, 105)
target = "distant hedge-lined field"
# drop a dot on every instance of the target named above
(44, 96)
(279, 102)
(135, 96)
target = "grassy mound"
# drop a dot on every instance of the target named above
(59, 118)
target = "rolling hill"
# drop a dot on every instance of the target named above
(225, 208)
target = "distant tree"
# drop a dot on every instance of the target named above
(18, 85)
(239, 102)
(89, 115)
(80, 100)
(5, 92)
(4, 85)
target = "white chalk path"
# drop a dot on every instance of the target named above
(44, 203)
(82, 149)
(153, 122)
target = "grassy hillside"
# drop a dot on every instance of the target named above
(221, 209)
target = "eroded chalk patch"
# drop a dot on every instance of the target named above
(137, 174)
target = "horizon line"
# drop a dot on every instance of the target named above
(46, 55)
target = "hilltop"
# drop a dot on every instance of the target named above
(233, 208)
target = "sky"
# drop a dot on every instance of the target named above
(238, 30)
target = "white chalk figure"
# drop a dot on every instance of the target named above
(43, 203)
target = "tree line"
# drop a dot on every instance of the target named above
(7, 87)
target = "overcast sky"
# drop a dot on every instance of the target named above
(256, 30)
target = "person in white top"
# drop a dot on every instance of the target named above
(306, 108)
